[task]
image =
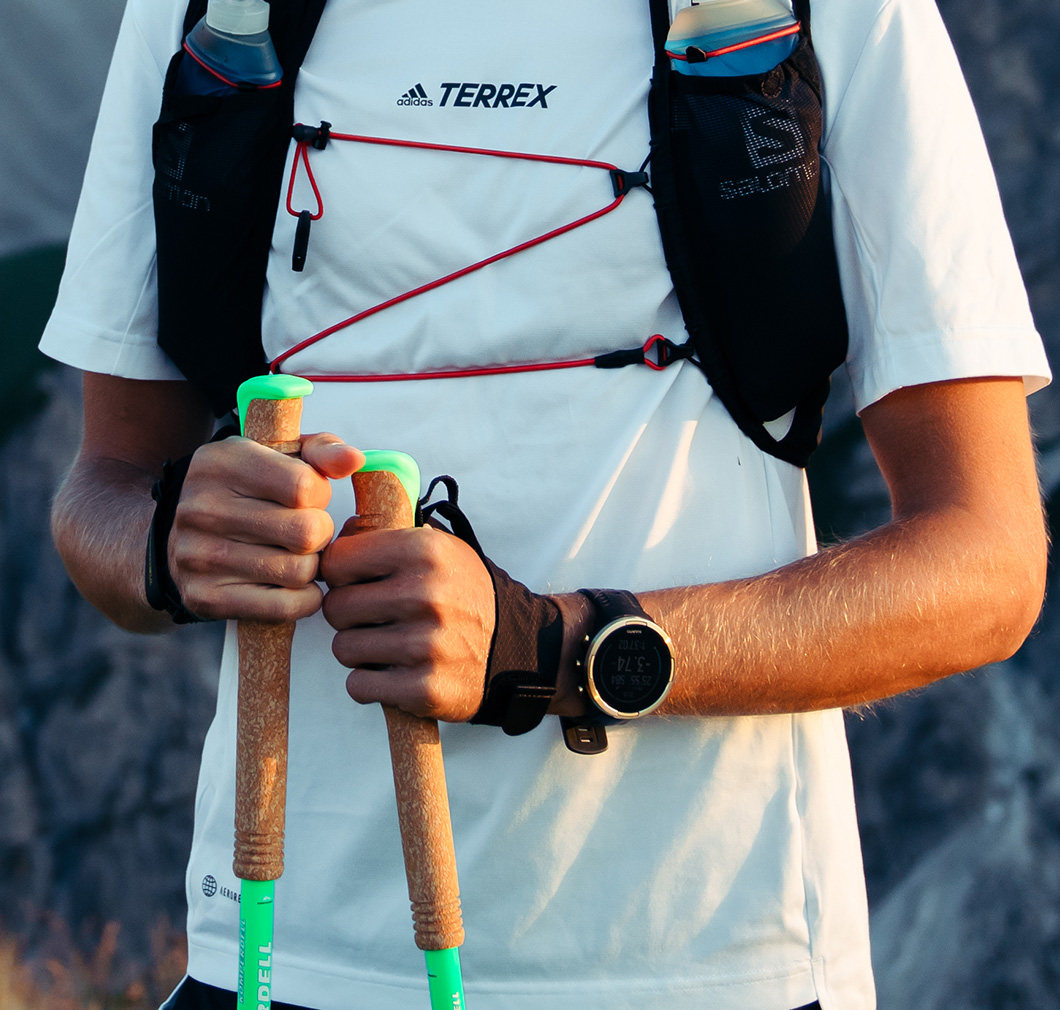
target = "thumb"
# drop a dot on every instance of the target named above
(331, 456)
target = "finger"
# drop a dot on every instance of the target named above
(383, 600)
(331, 456)
(256, 471)
(413, 690)
(382, 646)
(377, 554)
(410, 690)
(241, 601)
(232, 562)
(222, 515)
(365, 557)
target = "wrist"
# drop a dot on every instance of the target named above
(623, 670)
(524, 656)
(577, 615)
(160, 591)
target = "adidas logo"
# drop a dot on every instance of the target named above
(415, 96)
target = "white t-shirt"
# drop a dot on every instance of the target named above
(699, 862)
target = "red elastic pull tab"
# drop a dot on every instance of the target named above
(662, 359)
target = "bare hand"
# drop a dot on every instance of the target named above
(414, 613)
(250, 526)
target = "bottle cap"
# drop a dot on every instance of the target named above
(708, 17)
(238, 17)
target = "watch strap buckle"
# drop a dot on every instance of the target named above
(581, 738)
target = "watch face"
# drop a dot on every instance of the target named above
(630, 667)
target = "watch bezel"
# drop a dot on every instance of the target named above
(596, 645)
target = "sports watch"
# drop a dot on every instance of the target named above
(626, 672)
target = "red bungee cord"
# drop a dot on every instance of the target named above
(622, 183)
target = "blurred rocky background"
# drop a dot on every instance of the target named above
(958, 786)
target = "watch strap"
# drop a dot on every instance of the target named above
(611, 605)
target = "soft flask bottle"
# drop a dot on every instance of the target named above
(731, 38)
(230, 49)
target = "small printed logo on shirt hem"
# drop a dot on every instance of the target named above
(210, 887)
(477, 95)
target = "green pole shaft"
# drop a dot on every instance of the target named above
(255, 944)
(444, 979)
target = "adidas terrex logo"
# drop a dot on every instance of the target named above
(415, 96)
(473, 95)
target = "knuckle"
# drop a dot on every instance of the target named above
(206, 460)
(433, 698)
(191, 510)
(203, 555)
(433, 552)
(285, 605)
(428, 609)
(201, 602)
(302, 603)
(305, 487)
(309, 531)
(288, 571)
(301, 571)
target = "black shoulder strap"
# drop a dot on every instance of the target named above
(196, 10)
(660, 24)
(293, 24)
(218, 176)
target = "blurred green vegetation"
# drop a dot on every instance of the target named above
(28, 285)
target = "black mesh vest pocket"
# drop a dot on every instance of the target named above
(218, 164)
(736, 173)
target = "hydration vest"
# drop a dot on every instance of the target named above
(734, 170)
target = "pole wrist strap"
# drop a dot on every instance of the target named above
(524, 656)
(159, 588)
(523, 662)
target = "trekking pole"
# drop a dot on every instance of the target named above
(270, 411)
(386, 488)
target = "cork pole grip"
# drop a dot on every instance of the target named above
(416, 755)
(264, 678)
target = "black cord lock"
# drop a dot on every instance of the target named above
(314, 136)
(658, 353)
(622, 181)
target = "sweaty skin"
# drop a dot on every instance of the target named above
(954, 581)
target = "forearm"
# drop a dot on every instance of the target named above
(907, 604)
(100, 519)
(913, 601)
(953, 582)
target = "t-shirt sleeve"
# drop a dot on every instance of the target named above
(104, 319)
(930, 279)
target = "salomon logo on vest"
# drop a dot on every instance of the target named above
(415, 96)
